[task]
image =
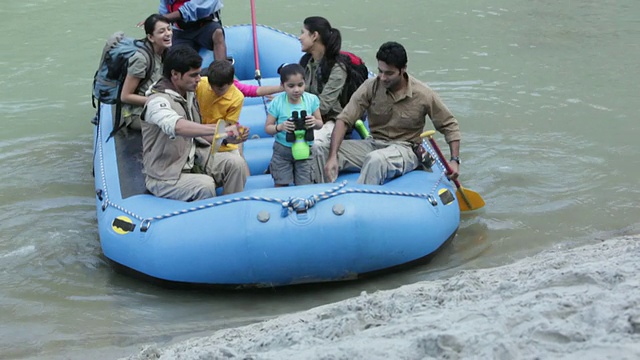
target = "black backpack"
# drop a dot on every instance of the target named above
(357, 73)
(108, 79)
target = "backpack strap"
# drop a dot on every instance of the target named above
(151, 61)
(146, 51)
(304, 60)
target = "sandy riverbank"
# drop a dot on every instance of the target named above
(582, 303)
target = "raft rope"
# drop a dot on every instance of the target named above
(436, 158)
(289, 205)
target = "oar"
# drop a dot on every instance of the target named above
(256, 57)
(471, 200)
(219, 136)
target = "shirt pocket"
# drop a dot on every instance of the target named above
(411, 115)
(380, 110)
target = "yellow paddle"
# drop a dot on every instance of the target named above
(471, 200)
(219, 136)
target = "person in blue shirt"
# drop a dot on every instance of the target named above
(196, 23)
(286, 165)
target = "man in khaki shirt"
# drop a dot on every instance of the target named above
(397, 105)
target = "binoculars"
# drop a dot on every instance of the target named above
(299, 136)
(300, 127)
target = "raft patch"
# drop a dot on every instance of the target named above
(445, 196)
(122, 225)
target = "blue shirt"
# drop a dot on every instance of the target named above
(194, 9)
(281, 109)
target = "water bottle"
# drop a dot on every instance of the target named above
(362, 130)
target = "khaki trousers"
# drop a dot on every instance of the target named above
(377, 160)
(226, 169)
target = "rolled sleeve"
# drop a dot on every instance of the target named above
(443, 120)
(160, 113)
(137, 65)
(358, 104)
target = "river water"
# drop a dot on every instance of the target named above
(545, 92)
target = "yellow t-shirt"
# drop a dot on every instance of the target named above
(214, 107)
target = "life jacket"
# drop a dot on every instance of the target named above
(175, 5)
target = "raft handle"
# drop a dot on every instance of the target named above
(432, 200)
(145, 225)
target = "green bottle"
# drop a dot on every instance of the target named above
(300, 148)
(362, 130)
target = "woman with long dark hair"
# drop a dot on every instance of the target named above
(325, 74)
(139, 79)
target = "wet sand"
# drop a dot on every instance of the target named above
(581, 303)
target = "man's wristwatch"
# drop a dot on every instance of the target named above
(456, 159)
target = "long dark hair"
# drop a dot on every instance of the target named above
(329, 37)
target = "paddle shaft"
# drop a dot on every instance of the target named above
(255, 40)
(256, 56)
(444, 162)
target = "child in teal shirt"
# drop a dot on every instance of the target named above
(284, 168)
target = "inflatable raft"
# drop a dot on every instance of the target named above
(265, 236)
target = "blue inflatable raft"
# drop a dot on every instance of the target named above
(265, 236)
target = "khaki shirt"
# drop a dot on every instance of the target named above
(166, 155)
(138, 68)
(401, 116)
(330, 96)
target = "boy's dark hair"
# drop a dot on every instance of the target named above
(287, 70)
(181, 58)
(221, 73)
(393, 54)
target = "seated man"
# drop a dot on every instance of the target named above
(196, 23)
(219, 99)
(176, 146)
(396, 104)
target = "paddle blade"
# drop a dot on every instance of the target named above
(468, 199)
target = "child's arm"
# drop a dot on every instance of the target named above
(314, 121)
(271, 127)
(268, 90)
(246, 90)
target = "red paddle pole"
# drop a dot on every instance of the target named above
(256, 58)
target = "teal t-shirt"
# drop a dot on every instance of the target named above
(281, 109)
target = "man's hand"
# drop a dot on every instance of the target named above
(455, 170)
(236, 134)
(331, 169)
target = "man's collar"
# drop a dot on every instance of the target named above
(407, 91)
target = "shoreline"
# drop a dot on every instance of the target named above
(563, 303)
